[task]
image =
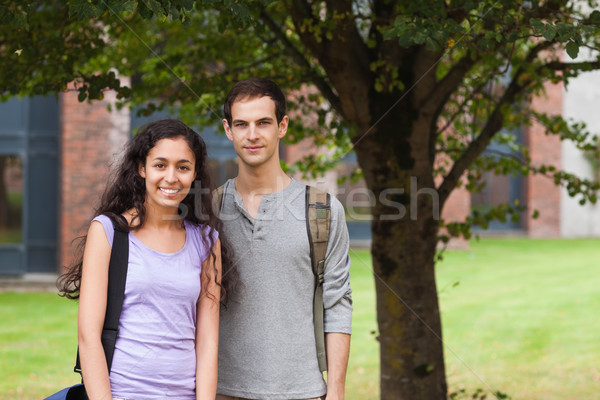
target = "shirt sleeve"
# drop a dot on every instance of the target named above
(337, 299)
(108, 227)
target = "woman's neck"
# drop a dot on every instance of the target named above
(162, 218)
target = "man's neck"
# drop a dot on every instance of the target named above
(251, 181)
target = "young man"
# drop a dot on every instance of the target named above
(267, 344)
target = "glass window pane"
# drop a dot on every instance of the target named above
(495, 192)
(11, 199)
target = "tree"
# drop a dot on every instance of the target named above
(417, 89)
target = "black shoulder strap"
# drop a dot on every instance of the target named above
(318, 218)
(117, 276)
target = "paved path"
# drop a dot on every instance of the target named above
(29, 283)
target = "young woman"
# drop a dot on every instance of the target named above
(168, 329)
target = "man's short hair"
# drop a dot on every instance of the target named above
(251, 88)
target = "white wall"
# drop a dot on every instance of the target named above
(581, 102)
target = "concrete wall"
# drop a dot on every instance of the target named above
(581, 102)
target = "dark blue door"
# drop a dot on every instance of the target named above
(29, 131)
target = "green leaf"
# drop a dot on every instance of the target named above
(431, 45)
(154, 6)
(419, 37)
(144, 11)
(572, 49)
(119, 6)
(240, 10)
(16, 19)
(174, 13)
(549, 32)
(595, 18)
(537, 24)
(187, 5)
(84, 9)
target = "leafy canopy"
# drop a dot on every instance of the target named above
(489, 59)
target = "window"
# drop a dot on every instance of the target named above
(222, 170)
(11, 199)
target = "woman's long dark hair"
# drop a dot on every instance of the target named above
(126, 190)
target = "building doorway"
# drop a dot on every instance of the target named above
(28, 185)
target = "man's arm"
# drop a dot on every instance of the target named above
(338, 352)
(338, 303)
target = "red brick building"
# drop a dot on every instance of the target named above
(92, 138)
(61, 151)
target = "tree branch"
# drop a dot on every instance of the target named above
(318, 80)
(449, 83)
(461, 106)
(341, 53)
(300, 13)
(492, 126)
(565, 66)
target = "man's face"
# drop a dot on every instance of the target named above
(254, 131)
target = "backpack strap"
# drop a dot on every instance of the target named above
(117, 277)
(217, 199)
(318, 218)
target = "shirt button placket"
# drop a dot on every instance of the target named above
(260, 219)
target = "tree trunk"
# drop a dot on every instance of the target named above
(410, 335)
(412, 364)
(399, 172)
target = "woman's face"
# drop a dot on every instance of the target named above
(169, 171)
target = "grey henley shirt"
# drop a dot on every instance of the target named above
(267, 346)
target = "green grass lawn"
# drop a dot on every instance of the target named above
(38, 344)
(519, 316)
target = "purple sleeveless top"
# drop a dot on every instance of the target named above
(155, 355)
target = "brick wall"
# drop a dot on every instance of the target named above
(295, 152)
(92, 138)
(539, 191)
(457, 209)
